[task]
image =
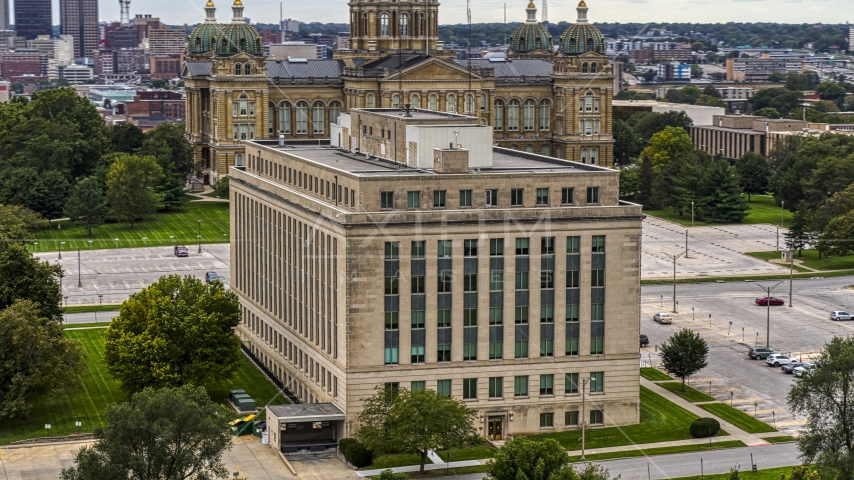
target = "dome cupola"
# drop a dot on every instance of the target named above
(531, 36)
(203, 38)
(239, 37)
(582, 37)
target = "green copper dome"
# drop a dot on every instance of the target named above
(531, 35)
(581, 37)
(239, 37)
(203, 38)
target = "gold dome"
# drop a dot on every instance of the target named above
(238, 3)
(209, 4)
(580, 4)
(531, 5)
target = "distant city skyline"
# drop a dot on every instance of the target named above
(488, 11)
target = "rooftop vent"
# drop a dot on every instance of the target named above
(498, 59)
(297, 60)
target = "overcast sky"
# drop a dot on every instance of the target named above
(177, 12)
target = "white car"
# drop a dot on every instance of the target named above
(840, 315)
(777, 359)
(805, 368)
(663, 318)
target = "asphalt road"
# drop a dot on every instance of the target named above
(90, 317)
(752, 385)
(688, 464)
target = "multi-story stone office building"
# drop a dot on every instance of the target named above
(394, 256)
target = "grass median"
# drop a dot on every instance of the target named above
(175, 227)
(99, 389)
(738, 418)
(745, 474)
(660, 421)
(653, 374)
(763, 209)
(113, 307)
(742, 278)
(810, 259)
(691, 394)
(649, 452)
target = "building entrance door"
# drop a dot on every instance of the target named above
(494, 431)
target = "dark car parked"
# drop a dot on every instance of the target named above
(774, 301)
(759, 352)
(790, 367)
(644, 340)
(211, 277)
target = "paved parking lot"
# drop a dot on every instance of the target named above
(116, 273)
(712, 251)
(801, 331)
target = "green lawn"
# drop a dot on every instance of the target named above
(112, 307)
(691, 394)
(100, 389)
(737, 418)
(741, 278)
(654, 374)
(745, 474)
(396, 460)
(182, 224)
(664, 450)
(476, 452)
(780, 439)
(445, 472)
(810, 259)
(660, 421)
(762, 210)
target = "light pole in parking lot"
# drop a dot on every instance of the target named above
(767, 291)
(674, 257)
(583, 417)
(200, 235)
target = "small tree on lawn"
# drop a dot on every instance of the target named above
(415, 422)
(525, 459)
(824, 398)
(87, 205)
(160, 434)
(797, 237)
(723, 202)
(684, 354)
(753, 172)
(175, 332)
(130, 187)
(36, 359)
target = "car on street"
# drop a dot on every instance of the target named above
(805, 368)
(644, 340)
(181, 251)
(759, 352)
(774, 301)
(663, 318)
(837, 315)
(211, 277)
(777, 359)
(791, 366)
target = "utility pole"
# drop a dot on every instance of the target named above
(686, 243)
(767, 291)
(583, 411)
(674, 257)
(79, 283)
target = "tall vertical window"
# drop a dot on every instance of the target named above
(517, 197)
(469, 103)
(369, 100)
(528, 115)
(545, 115)
(491, 198)
(451, 103)
(443, 387)
(413, 199)
(482, 102)
(597, 382)
(404, 25)
(439, 198)
(592, 195)
(415, 101)
(433, 102)
(395, 101)
(465, 198)
(302, 117)
(386, 200)
(244, 104)
(496, 387)
(334, 111)
(571, 384)
(271, 120)
(499, 116)
(317, 117)
(543, 196)
(520, 386)
(384, 24)
(392, 328)
(567, 196)
(496, 247)
(444, 248)
(469, 388)
(547, 383)
(573, 264)
(522, 246)
(513, 116)
(285, 118)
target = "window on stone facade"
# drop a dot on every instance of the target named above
(369, 100)
(244, 132)
(415, 101)
(513, 116)
(469, 103)
(529, 148)
(597, 417)
(384, 24)
(237, 69)
(593, 67)
(285, 118)
(395, 101)
(482, 102)
(302, 117)
(238, 159)
(334, 111)
(317, 117)
(593, 153)
(243, 102)
(433, 102)
(451, 103)
(247, 69)
(465, 198)
(528, 115)
(499, 116)
(496, 387)
(404, 25)
(516, 197)
(545, 115)
(544, 150)
(251, 109)
(520, 386)
(585, 67)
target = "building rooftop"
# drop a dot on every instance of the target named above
(307, 412)
(418, 114)
(505, 161)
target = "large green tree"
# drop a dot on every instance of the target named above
(627, 144)
(823, 398)
(87, 205)
(753, 173)
(177, 331)
(415, 421)
(647, 124)
(666, 145)
(684, 354)
(44, 192)
(130, 187)
(165, 434)
(36, 359)
(835, 241)
(525, 459)
(168, 144)
(723, 201)
(126, 138)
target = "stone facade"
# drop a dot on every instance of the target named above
(556, 104)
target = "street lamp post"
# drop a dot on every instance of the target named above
(791, 274)
(200, 235)
(767, 291)
(79, 282)
(782, 205)
(59, 240)
(674, 257)
(583, 411)
(686, 243)
(692, 214)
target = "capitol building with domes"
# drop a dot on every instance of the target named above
(544, 98)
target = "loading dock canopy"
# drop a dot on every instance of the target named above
(306, 412)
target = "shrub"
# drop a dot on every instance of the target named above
(705, 427)
(388, 474)
(344, 443)
(358, 455)
(221, 187)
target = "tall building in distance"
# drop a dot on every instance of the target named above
(79, 19)
(33, 18)
(5, 15)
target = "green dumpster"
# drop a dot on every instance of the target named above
(259, 428)
(242, 426)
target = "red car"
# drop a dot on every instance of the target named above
(181, 251)
(772, 300)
